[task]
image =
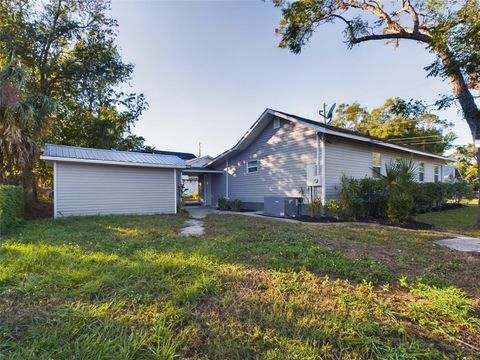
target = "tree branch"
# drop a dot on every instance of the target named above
(393, 36)
(376, 10)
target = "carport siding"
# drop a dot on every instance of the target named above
(99, 189)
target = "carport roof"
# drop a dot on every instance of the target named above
(54, 152)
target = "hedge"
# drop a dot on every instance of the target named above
(11, 207)
(369, 198)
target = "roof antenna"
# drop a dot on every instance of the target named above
(327, 116)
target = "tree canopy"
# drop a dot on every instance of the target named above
(449, 29)
(467, 162)
(68, 56)
(400, 121)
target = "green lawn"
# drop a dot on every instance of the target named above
(131, 288)
(461, 220)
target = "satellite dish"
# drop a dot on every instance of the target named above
(330, 112)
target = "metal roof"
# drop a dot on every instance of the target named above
(91, 155)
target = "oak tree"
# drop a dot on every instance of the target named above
(449, 29)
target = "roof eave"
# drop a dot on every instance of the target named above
(108, 162)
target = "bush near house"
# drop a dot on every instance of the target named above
(315, 208)
(369, 198)
(11, 207)
(191, 197)
(223, 203)
(236, 205)
(396, 195)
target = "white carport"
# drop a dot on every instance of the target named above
(99, 182)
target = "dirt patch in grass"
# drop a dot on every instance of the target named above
(413, 225)
(432, 264)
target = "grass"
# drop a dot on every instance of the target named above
(462, 220)
(131, 288)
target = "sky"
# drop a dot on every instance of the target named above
(210, 68)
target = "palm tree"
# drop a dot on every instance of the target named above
(399, 178)
(23, 119)
(400, 174)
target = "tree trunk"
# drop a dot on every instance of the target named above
(478, 187)
(29, 185)
(470, 110)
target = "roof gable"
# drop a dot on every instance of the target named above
(270, 114)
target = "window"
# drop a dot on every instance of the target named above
(436, 173)
(276, 123)
(252, 166)
(421, 172)
(376, 165)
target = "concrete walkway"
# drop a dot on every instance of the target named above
(461, 243)
(195, 226)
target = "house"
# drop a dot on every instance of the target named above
(280, 155)
(287, 155)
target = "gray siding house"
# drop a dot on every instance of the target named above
(281, 155)
(286, 155)
(99, 182)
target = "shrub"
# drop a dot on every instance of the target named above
(315, 208)
(223, 203)
(191, 197)
(11, 207)
(429, 196)
(400, 207)
(236, 205)
(373, 197)
(362, 198)
(458, 191)
(333, 208)
(350, 202)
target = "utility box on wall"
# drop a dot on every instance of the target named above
(281, 206)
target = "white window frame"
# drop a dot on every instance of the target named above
(375, 175)
(276, 123)
(252, 166)
(421, 172)
(436, 173)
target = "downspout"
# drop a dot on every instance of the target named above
(321, 152)
(175, 188)
(55, 192)
(226, 182)
(324, 174)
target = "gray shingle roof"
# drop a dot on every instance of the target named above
(122, 157)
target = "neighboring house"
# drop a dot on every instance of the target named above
(451, 173)
(181, 155)
(280, 155)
